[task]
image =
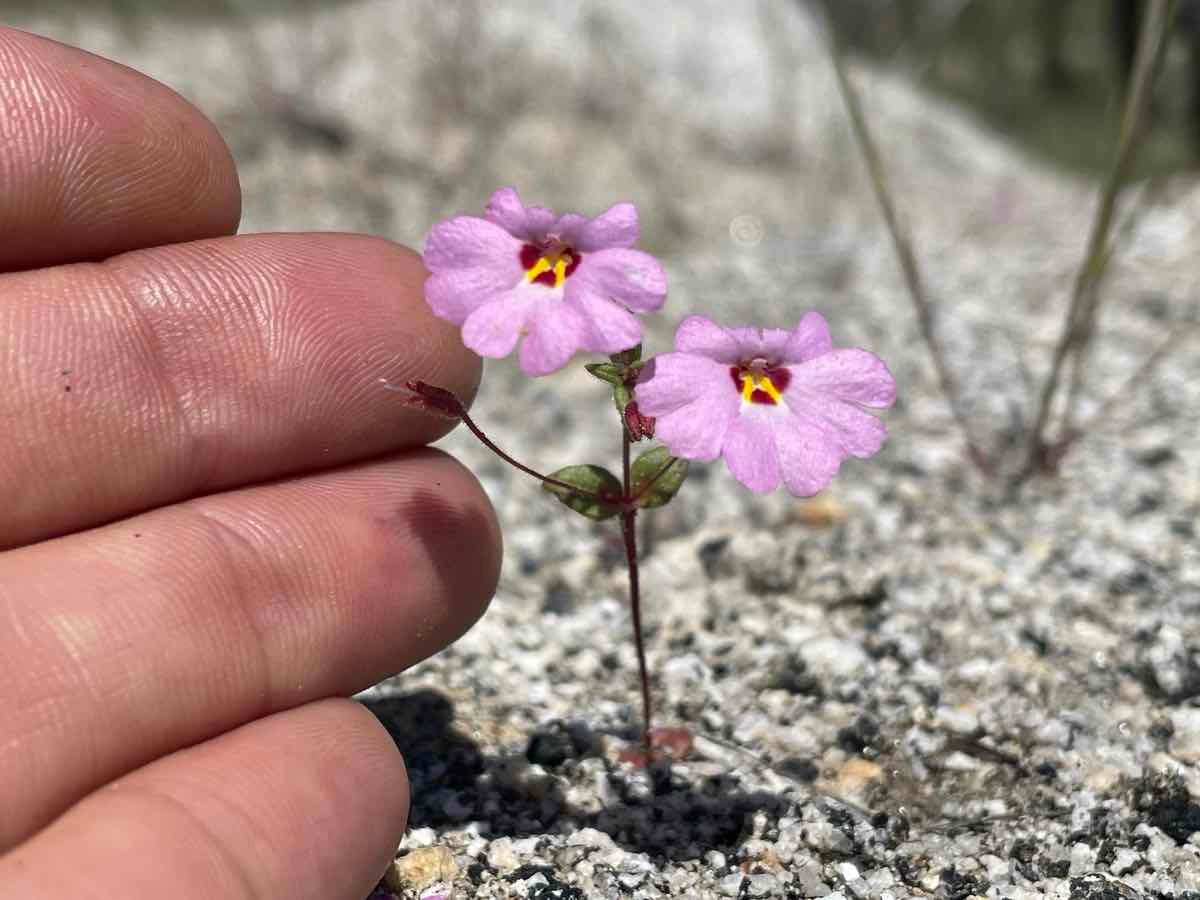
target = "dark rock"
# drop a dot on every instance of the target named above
(859, 737)
(956, 885)
(799, 768)
(1164, 799)
(713, 557)
(555, 743)
(1156, 456)
(1098, 887)
(791, 674)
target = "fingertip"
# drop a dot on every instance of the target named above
(351, 728)
(448, 519)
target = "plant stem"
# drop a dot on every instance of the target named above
(446, 403)
(545, 479)
(629, 533)
(903, 249)
(1081, 314)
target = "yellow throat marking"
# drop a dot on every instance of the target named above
(750, 381)
(558, 266)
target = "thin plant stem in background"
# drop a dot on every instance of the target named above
(1183, 332)
(903, 249)
(1079, 325)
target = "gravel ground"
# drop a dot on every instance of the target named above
(920, 684)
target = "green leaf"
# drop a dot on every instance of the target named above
(610, 372)
(670, 473)
(627, 357)
(602, 491)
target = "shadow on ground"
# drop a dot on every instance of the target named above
(454, 782)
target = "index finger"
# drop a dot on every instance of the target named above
(96, 159)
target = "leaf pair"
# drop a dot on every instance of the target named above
(655, 478)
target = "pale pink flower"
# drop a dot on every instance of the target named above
(562, 283)
(778, 405)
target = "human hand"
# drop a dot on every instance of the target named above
(197, 564)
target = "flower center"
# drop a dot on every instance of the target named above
(548, 263)
(760, 382)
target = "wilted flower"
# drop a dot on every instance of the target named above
(776, 404)
(563, 283)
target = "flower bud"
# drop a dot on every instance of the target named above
(638, 425)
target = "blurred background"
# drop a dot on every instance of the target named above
(722, 121)
(718, 117)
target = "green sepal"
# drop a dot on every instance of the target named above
(610, 372)
(666, 486)
(597, 481)
(628, 357)
(621, 397)
(621, 373)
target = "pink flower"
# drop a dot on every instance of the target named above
(563, 283)
(776, 404)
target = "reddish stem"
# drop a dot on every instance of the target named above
(440, 400)
(629, 533)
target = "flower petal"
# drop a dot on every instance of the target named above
(809, 454)
(809, 339)
(506, 210)
(694, 431)
(539, 221)
(453, 294)
(749, 449)
(556, 331)
(847, 374)
(568, 227)
(630, 277)
(702, 336)
(615, 227)
(610, 326)
(762, 342)
(671, 380)
(856, 433)
(693, 400)
(466, 241)
(492, 329)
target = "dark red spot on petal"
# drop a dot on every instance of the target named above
(529, 256)
(573, 259)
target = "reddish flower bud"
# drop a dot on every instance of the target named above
(636, 424)
(434, 399)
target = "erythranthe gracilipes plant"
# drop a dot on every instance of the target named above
(779, 405)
